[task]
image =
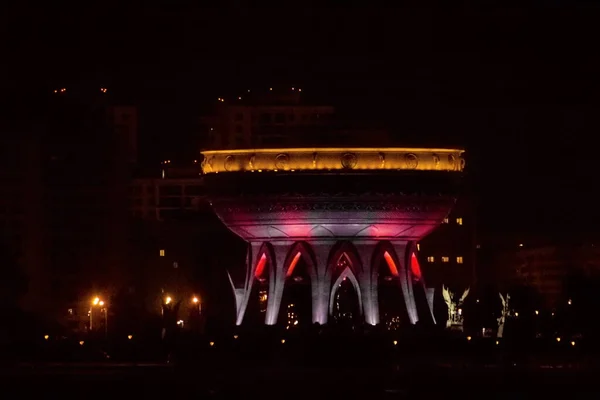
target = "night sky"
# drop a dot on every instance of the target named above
(518, 88)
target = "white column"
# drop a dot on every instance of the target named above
(277, 275)
(368, 281)
(243, 295)
(321, 284)
(402, 249)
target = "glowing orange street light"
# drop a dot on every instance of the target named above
(98, 302)
(168, 300)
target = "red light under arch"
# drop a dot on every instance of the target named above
(391, 264)
(261, 266)
(295, 260)
(415, 268)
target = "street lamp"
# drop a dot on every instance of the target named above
(196, 301)
(168, 300)
(98, 302)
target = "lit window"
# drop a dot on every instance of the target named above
(161, 252)
(430, 259)
(459, 221)
(418, 247)
(445, 221)
(445, 259)
(459, 260)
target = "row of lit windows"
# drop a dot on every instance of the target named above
(459, 259)
(459, 221)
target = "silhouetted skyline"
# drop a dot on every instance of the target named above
(516, 87)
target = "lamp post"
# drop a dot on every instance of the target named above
(98, 302)
(95, 301)
(105, 309)
(196, 300)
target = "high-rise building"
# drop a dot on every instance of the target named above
(448, 254)
(279, 116)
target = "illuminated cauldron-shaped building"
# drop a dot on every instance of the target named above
(367, 206)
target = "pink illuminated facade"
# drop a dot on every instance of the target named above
(345, 215)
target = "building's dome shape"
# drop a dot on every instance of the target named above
(377, 200)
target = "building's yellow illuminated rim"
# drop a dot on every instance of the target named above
(306, 159)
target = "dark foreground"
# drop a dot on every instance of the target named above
(163, 381)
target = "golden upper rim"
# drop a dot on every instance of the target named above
(351, 158)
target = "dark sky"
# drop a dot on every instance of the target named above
(518, 87)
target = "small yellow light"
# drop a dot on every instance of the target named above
(81, 342)
(96, 301)
(299, 90)
(296, 322)
(282, 341)
(46, 337)
(558, 339)
(161, 253)
(101, 303)
(573, 343)
(195, 300)
(129, 337)
(537, 312)
(211, 344)
(293, 89)
(516, 314)
(55, 91)
(239, 97)
(569, 302)
(520, 244)
(270, 88)
(235, 336)
(469, 337)
(168, 300)
(395, 342)
(497, 342)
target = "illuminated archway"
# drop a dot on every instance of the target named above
(386, 253)
(299, 269)
(344, 249)
(263, 273)
(349, 275)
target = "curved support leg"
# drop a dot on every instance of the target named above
(429, 294)
(276, 283)
(242, 295)
(402, 249)
(368, 283)
(321, 285)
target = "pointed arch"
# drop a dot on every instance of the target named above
(300, 250)
(346, 273)
(349, 250)
(265, 261)
(385, 250)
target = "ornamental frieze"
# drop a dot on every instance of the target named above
(332, 159)
(322, 206)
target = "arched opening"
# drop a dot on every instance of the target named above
(392, 310)
(345, 304)
(257, 303)
(296, 304)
